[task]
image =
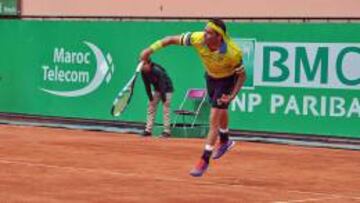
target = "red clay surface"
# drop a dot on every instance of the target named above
(60, 165)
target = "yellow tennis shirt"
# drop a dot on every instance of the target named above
(220, 63)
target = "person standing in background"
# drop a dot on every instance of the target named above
(155, 76)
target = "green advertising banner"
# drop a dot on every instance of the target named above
(302, 78)
(9, 8)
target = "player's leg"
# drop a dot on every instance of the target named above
(214, 124)
(152, 107)
(166, 114)
(203, 163)
(223, 130)
(225, 144)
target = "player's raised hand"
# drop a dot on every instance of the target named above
(145, 54)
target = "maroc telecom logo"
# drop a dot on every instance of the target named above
(104, 68)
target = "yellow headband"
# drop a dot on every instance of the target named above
(217, 29)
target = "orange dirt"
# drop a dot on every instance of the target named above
(60, 165)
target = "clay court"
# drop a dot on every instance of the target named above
(61, 165)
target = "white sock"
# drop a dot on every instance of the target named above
(224, 130)
(209, 147)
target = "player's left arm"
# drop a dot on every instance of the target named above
(240, 79)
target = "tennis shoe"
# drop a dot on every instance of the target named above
(200, 168)
(223, 148)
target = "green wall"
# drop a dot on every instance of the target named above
(302, 78)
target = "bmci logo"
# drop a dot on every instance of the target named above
(248, 49)
(73, 68)
(307, 65)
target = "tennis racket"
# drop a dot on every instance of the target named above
(124, 96)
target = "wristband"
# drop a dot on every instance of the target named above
(156, 46)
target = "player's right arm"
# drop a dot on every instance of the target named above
(185, 39)
(170, 40)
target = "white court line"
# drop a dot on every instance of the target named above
(330, 197)
(311, 199)
(136, 175)
(166, 178)
(76, 169)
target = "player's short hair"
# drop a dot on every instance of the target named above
(219, 22)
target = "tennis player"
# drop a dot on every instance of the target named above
(155, 76)
(225, 75)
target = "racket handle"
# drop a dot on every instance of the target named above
(139, 66)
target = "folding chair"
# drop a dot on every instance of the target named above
(192, 94)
